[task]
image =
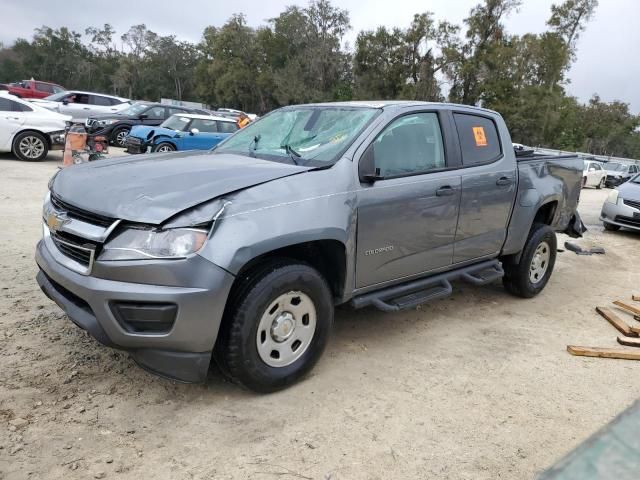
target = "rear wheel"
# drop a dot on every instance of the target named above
(164, 147)
(530, 275)
(277, 326)
(584, 182)
(30, 146)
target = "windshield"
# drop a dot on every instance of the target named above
(175, 122)
(614, 167)
(56, 97)
(635, 179)
(300, 134)
(135, 109)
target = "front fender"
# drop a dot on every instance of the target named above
(312, 206)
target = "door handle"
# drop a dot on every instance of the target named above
(12, 118)
(86, 108)
(504, 181)
(445, 191)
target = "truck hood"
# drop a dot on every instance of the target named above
(153, 188)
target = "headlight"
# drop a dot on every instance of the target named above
(613, 196)
(145, 244)
(106, 122)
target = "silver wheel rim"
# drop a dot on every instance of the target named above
(286, 329)
(165, 148)
(31, 147)
(121, 136)
(540, 262)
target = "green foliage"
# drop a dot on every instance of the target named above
(300, 56)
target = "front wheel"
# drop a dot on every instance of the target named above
(277, 327)
(30, 146)
(119, 136)
(530, 275)
(611, 227)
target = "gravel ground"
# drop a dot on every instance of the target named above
(476, 386)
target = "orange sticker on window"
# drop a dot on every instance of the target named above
(481, 139)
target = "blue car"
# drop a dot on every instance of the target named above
(183, 131)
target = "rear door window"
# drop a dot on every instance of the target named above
(44, 87)
(227, 127)
(479, 139)
(100, 100)
(173, 110)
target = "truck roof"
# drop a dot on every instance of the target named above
(392, 103)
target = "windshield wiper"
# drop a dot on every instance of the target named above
(292, 153)
(253, 146)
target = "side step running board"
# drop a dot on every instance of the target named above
(416, 292)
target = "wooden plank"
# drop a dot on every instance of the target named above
(629, 342)
(616, 321)
(603, 352)
(629, 308)
(635, 297)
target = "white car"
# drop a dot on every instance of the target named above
(82, 105)
(29, 131)
(594, 175)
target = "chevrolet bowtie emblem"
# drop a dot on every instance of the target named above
(56, 220)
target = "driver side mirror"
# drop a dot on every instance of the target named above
(367, 171)
(193, 131)
(592, 169)
(65, 102)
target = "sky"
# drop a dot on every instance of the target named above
(607, 62)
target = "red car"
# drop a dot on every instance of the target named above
(33, 89)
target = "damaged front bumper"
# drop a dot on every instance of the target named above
(622, 214)
(165, 313)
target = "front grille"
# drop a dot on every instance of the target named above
(632, 203)
(133, 141)
(90, 122)
(631, 221)
(79, 214)
(75, 248)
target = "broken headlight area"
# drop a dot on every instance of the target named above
(613, 196)
(146, 244)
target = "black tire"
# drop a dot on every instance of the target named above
(236, 350)
(601, 184)
(118, 136)
(164, 147)
(517, 279)
(584, 182)
(611, 227)
(30, 146)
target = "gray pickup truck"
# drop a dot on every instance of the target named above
(241, 253)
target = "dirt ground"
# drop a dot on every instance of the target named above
(476, 386)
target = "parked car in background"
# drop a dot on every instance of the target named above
(622, 207)
(27, 130)
(183, 131)
(116, 126)
(234, 113)
(618, 173)
(81, 105)
(33, 89)
(594, 174)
